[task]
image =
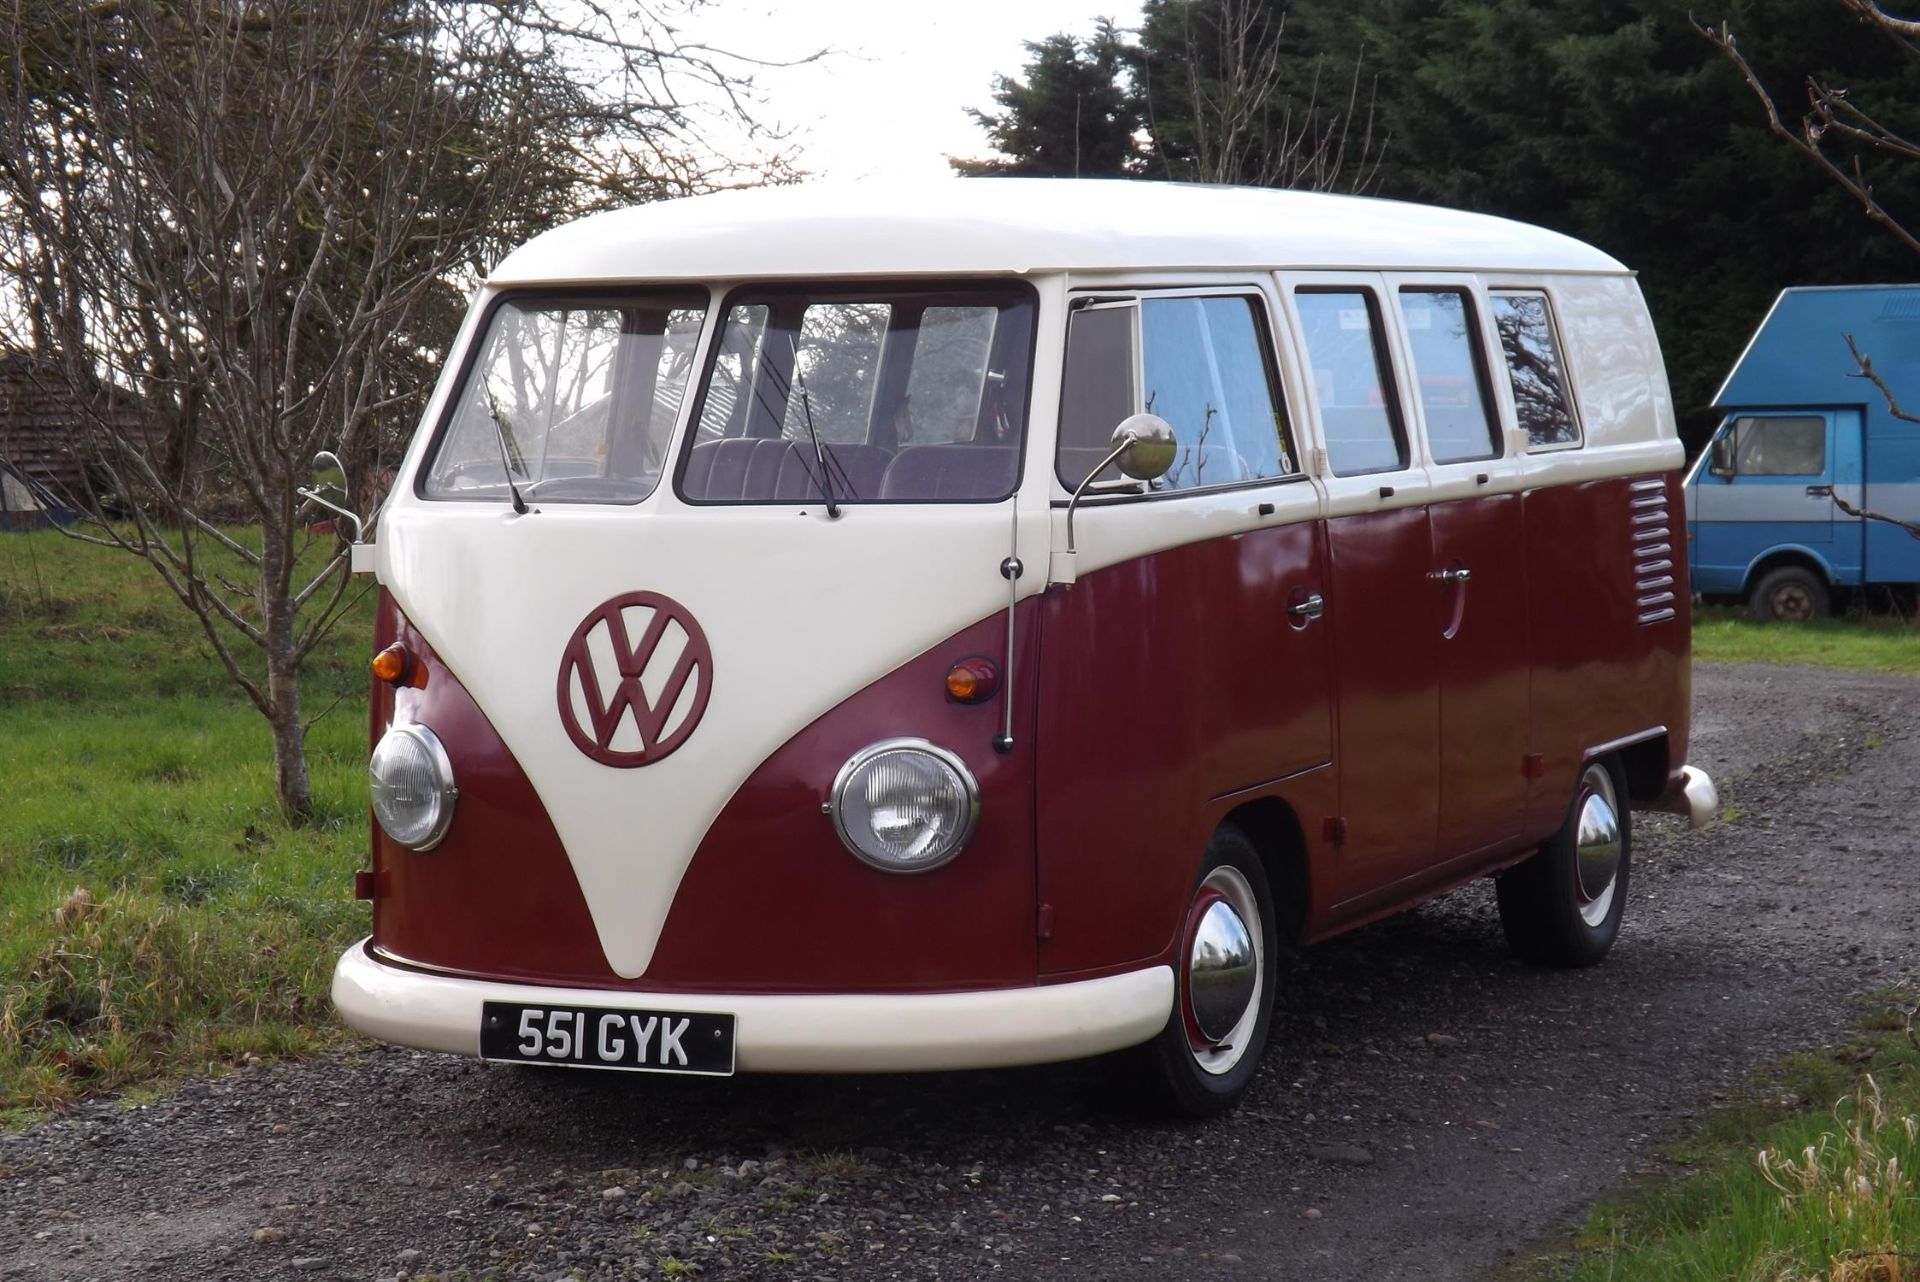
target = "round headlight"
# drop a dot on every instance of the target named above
(413, 792)
(905, 805)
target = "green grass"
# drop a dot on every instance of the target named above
(157, 913)
(1834, 1199)
(1722, 634)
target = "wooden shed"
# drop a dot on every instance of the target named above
(44, 427)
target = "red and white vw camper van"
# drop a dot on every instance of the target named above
(871, 629)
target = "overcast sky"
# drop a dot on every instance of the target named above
(892, 100)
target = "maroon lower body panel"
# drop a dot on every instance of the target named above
(1416, 733)
(497, 897)
(773, 901)
(1168, 683)
(1600, 675)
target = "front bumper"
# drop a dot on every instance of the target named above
(793, 1032)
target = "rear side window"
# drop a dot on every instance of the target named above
(1449, 371)
(1541, 400)
(1204, 366)
(1346, 358)
(1795, 446)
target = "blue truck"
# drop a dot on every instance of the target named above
(1801, 430)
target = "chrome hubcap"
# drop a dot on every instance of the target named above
(1221, 974)
(1597, 846)
(1224, 979)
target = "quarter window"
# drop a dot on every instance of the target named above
(1541, 401)
(1347, 361)
(1097, 388)
(1449, 372)
(1204, 368)
(1780, 446)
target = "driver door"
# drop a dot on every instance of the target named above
(1184, 664)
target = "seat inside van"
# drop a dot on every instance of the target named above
(954, 471)
(769, 468)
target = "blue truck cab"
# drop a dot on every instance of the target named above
(1802, 427)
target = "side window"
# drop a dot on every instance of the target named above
(1794, 446)
(1450, 373)
(1540, 397)
(1206, 368)
(1347, 361)
(1207, 372)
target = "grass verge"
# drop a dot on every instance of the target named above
(1723, 634)
(1810, 1177)
(157, 914)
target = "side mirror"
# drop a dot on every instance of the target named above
(1144, 447)
(1722, 464)
(314, 494)
(1144, 450)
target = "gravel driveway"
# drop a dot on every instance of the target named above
(1428, 1107)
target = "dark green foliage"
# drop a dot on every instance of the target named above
(1255, 92)
(1071, 117)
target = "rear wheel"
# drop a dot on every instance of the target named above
(1790, 594)
(1563, 906)
(1205, 1058)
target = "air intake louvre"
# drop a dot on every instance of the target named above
(1652, 547)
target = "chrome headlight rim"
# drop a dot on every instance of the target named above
(866, 756)
(443, 770)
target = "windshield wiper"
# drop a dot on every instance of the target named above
(506, 462)
(825, 478)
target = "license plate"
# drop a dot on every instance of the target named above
(639, 1041)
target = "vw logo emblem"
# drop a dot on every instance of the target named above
(634, 680)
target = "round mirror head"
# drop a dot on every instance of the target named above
(1150, 447)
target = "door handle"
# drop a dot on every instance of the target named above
(1461, 575)
(1820, 491)
(1312, 608)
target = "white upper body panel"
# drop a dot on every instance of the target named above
(1024, 225)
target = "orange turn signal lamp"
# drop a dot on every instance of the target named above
(395, 665)
(972, 681)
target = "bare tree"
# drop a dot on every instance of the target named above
(1244, 121)
(1846, 140)
(258, 217)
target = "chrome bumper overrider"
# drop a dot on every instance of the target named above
(793, 1032)
(1695, 797)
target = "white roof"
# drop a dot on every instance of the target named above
(999, 225)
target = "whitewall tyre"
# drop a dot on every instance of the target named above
(1205, 1058)
(1563, 906)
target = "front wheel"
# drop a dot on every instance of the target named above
(1563, 906)
(1205, 1058)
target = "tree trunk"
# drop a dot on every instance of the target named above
(290, 777)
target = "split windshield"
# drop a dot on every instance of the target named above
(868, 395)
(905, 395)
